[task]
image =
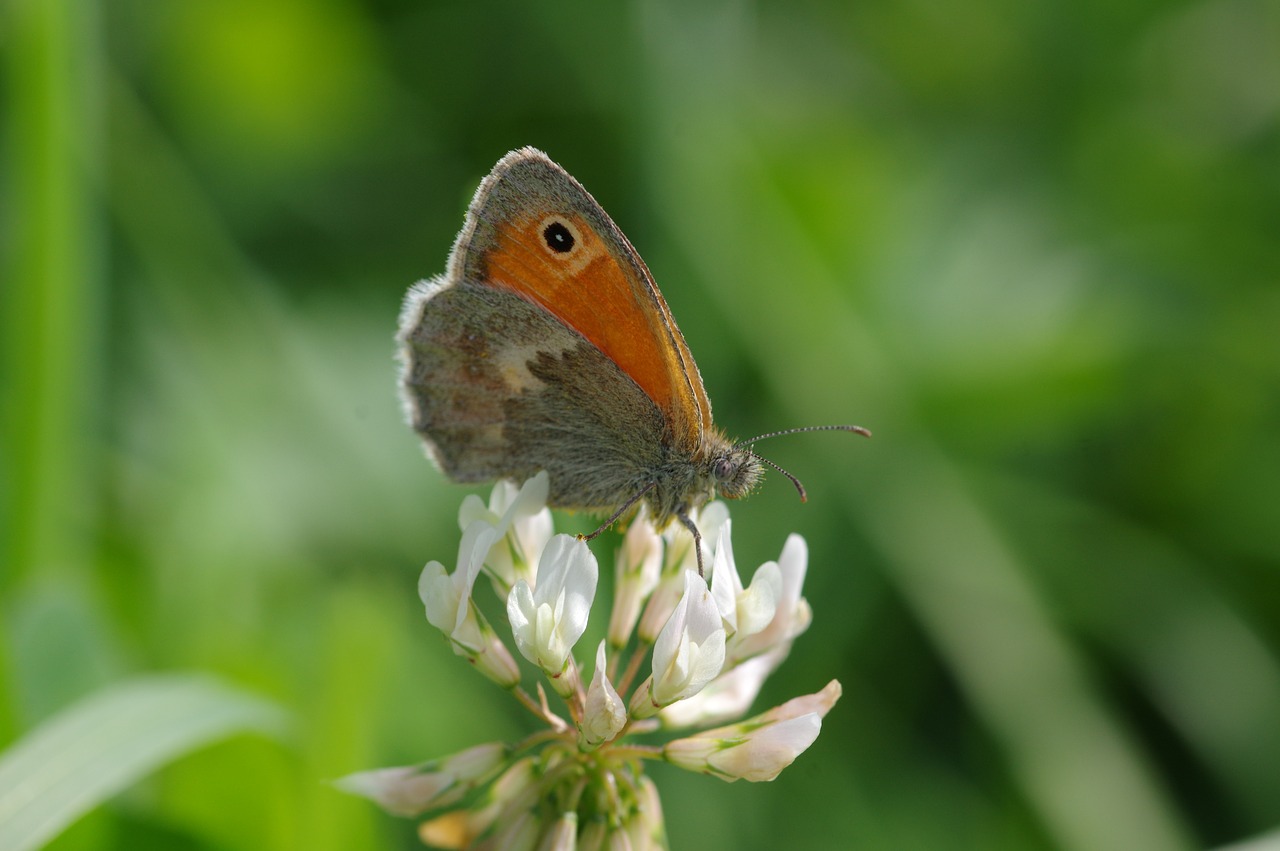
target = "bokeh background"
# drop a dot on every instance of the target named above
(1035, 247)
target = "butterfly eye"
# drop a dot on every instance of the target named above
(724, 470)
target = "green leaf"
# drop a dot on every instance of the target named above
(87, 753)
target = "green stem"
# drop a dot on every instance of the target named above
(48, 320)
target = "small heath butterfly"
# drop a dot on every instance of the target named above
(547, 346)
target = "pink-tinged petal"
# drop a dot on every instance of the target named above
(819, 703)
(759, 748)
(662, 602)
(402, 791)
(411, 789)
(763, 754)
(637, 570)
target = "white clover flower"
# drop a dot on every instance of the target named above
(524, 526)
(745, 611)
(792, 613)
(727, 696)
(579, 782)
(689, 651)
(680, 557)
(548, 621)
(605, 714)
(759, 748)
(639, 566)
(411, 789)
(756, 755)
(451, 610)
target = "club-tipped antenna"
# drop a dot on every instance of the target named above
(804, 497)
(853, 428)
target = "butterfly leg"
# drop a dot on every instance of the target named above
(613, 518)
(688, 523)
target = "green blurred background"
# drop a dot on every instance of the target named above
(1034, 247)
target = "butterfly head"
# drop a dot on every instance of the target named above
(735, 471)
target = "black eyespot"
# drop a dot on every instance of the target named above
(558, 237)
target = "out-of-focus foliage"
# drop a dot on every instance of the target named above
(1034, 247)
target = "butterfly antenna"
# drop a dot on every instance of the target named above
(853, 428)
(804, 497)
(799, 487)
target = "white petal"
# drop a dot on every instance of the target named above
(661, 605)
(792, 615)
(567, 578)
(531, 499)
(526, 521)
(725, 583)
(637, 570)
(550, 651)
(689, 651)
(705, 665)
(604, 715)
(550, 619)
(819, 703)
(642, 548)
(439, 596)
(411, 789)
(476, 541)
(764, 753)
(473, 509)
(728, 696)
(758, 604)
(667, 645)
(522, 612)
(711, 518)
(401, 791)
(703, 616)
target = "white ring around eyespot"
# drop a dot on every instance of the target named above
(573, 232)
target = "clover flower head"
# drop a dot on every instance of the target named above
(679, 651)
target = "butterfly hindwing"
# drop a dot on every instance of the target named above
(502, 389)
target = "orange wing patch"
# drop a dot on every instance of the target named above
(562, 265)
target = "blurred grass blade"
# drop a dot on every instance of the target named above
(1266, 842)
(51, 298)
(83, 756)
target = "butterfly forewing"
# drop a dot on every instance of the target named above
(533, 230)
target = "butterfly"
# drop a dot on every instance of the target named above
(547, 346)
